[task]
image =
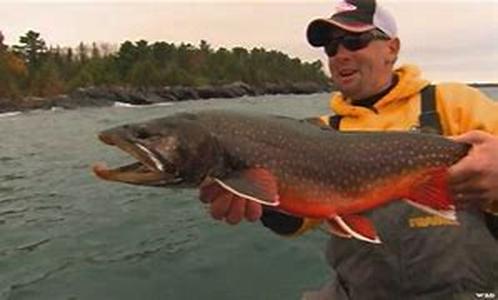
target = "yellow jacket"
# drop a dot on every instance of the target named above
(461, 108)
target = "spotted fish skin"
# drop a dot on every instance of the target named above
(300, 168)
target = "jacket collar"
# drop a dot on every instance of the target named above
(410, 83)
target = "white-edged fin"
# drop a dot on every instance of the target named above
(332, 227)
(354, 233)
(447, 214)
(246, 196)
(152, 157)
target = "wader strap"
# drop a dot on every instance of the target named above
(492, 223)
(430, 123)
(335, 122)
(429, 117)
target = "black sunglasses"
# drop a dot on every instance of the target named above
(353, 42)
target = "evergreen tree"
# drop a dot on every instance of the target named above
(144, 74)
(83, 55)
(13, 72)
(31, 49)
(36, 70)
(2, 46)
(46, 80)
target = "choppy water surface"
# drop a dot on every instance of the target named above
(66, 235)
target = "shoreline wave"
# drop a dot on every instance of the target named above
(128, 105)
(10, 114)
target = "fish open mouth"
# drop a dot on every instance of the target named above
(149, 169)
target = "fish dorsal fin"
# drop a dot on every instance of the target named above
(432, 194)
(358, 227)
(256, 184)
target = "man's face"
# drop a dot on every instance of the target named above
(362, 73)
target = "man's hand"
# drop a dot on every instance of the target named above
(227, 206)
(475, 177)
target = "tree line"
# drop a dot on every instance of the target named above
(31, 68)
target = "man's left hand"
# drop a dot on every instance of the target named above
(475, 177)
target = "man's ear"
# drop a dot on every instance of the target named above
(394, 45)
(393, 49)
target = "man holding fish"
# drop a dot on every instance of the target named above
(412, 215)
(423, 256)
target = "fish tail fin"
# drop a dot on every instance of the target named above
(431, 194)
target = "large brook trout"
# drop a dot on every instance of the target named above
(291, 165)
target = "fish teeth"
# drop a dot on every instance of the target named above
(151, 155)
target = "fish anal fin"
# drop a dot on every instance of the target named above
(432, 194)
(358, 227)
(255, 184)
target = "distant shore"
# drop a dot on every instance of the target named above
(108, 96)
(485, 85)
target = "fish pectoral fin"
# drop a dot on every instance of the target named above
(256, 184)
(432, 194)
(358, 227)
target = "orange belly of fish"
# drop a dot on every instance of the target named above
(302, 201)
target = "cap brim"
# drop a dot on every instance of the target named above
(318, 31)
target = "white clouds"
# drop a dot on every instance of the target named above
(457, 40)
(451, 42)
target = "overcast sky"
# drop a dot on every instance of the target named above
(449, 39)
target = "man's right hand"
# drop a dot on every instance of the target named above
(228, 206)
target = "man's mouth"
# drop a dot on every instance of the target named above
(346, 73)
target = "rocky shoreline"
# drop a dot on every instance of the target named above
(107, 96)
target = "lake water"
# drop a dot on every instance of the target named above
(66, 235)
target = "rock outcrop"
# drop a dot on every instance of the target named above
(107, 96)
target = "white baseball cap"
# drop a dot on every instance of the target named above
(353, 16)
